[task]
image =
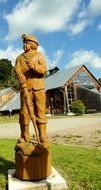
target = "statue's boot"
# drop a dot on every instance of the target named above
(25, 132)
(42, 135)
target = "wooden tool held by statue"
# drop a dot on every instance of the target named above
(30, 109)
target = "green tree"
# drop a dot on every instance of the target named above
(7, 75)
(5, 69)
(12, 80)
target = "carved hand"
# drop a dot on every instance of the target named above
(21, 78)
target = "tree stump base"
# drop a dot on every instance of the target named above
(33, 167)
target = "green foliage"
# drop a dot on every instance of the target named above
(12, 80)
(7, 75)
(5, 69)
(77, 107)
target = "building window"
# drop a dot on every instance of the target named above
(85, 81)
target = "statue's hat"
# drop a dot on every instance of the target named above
(27, 37)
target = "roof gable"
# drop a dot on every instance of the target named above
(62, 78)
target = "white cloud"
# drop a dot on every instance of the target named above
(10, 53)
(42, 50)
(85, 57)
(78, 27)
(56, 57)
(32, 16)
(86, 17)
(94, 8)
(45, 16)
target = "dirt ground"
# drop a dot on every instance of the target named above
(84, 131)
(81, 130)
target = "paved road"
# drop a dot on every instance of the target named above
(80, 125)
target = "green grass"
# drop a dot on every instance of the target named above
(6, 160)
(81, 167)
(15, 117)
(7, 119)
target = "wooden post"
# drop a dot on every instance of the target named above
(66, 98)
(64, 102)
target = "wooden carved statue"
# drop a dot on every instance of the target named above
(32, 158)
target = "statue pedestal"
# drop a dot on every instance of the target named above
(54, 182)
(33, 167)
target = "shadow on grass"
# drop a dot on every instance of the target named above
(5, 165)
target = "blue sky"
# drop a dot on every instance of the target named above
(69, 31)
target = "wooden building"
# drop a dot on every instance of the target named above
(74, 83)
(62, 87)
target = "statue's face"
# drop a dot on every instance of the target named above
(26, 46)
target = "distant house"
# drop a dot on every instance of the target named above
(6, 95)
(12, 106)
(62, 87)
(9, 100)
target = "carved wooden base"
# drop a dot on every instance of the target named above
(33, 167)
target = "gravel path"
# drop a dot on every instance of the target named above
(71, 130)
(81, 125)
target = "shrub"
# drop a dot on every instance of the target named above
(77, 107)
